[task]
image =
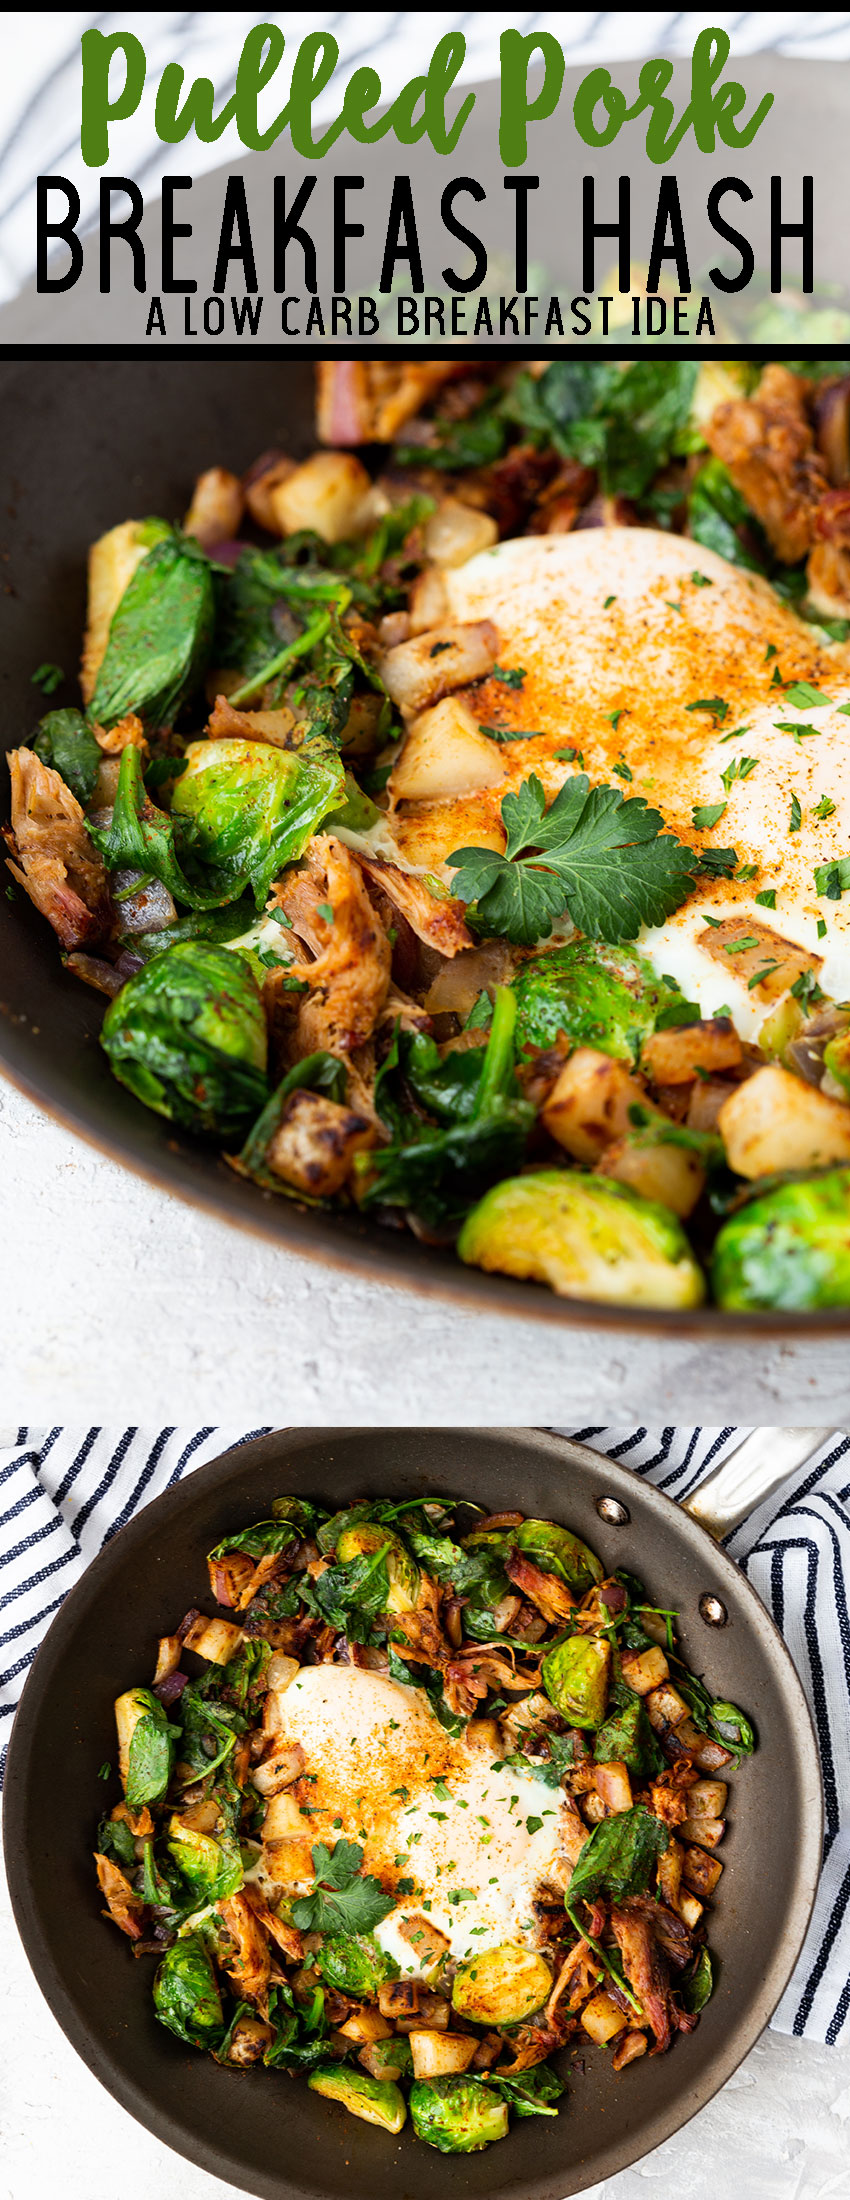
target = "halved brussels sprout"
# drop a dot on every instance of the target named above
(211, 1863)
(575, 1677)
(789, 1249)
(365, 1537)
(355, 1964)
(186, 1997)
(391, 2059)
(556, 1551)
(376, 2100)
(501, 1985)
(145, 1746)
(248, 808)
(457, 2115)
(188, 1036)
(586, 1236)
(598, 996)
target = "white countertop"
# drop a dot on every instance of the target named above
(118, 1299)
(780, 2129)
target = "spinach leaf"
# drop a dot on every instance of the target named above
(427, 1678)
(350, 1597)
(724, 1720)
(115, 1839)
(210, 1730)
(67, 743)
(264, 1536)
(698, 1986)
(618, 1860)
(628, 1737)
(437, 1171)
(719, 518)
(532, 2092)
(159, 638)
(300, 2033)
(344, 1899)
(624, 421)
(477, 441)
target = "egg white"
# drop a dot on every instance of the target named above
(374, 1754)
(634, 625)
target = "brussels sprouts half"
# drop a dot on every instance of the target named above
(212, 1864)
(247, 809)
(586, 1236)
(188, 1036)
(362, 1539)
(457, 2115)
(790, 1248)
(355, 1964)
(186, 1997)
(598, 996)
(501, 1985)
(575, 1677)
(376, 2100)
(556, 1551)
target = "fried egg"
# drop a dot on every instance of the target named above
(470, 1839)
(625, 636)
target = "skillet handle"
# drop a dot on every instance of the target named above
(760, 1465)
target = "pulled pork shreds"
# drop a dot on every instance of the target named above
(828, 569)
(438, 924)
(57, 865)
(125, 1907)
(767, 442)
(249, 1965)
(128, 734)
(549, 1594)
(644, 1970)
(347, 967)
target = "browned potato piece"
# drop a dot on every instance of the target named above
(315, 1143)
(435, 662)
(689, 1910)
(267, 474)
(776, 1122)
(366, 2025)
(613, 1785)
(705, 1101)
(279, 1769)
(427, 604)
(601, 2018)
(665, 1707)
(644, 1669)
(437, 2054)
(710, 1756)
(215, 1639)
(400, 1997)
(456, 532)
(707, 1798)
(445, 754)
(670, 1866)
(787, 962)
(167, 1657)
(667, 1173)
(283, 1820)
(701, 1872)
(331, 494)
(706, 1832)
(588, 1106)
(428, 1944)
(676, 1057)
(216, 508)
(290, 1862)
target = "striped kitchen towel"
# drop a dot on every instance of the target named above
(66, 1492)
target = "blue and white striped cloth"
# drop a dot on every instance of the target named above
(66, 1492)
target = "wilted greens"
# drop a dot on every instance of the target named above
(188, 1036)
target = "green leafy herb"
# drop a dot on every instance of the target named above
(767, 899)
(796, 815)
(48, 677)
(159, 638)
(66, 742)
(344, 1899)
(532, 2092)
(604, 858)
(713, 703)
(824, 808)
(797, 729)
(618, 1859)
(706, 814)
(802, 696)
(511, 678)
(833, 879)
(151, 1752)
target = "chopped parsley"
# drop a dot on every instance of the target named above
(614, 717)
(767, 899)
(715, 704)
(798, 730)
(742, 768)
(48, 678)
(602, 856)
(802, 696)
(621, 768)
(832, 879)
(701, 580)
(824, 808)
(806, 990)
(513, 678)
(706, 814)
(796, 815)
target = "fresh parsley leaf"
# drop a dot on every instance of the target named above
(797, 729)
(796, 815)
(512, 678)
(604, 858)
(713, 703)
(706, 814)
(701, 580)
(833, 879)
(824, 808)
(718, 862)
(344, 1900)
(802, 696)
(807, 991)
(767, 899)
(510, 733)
(48, 677)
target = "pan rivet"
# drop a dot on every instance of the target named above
(610, 1509)
(712, 1611)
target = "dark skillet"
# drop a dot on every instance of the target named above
(88, 443)
(267, 2133)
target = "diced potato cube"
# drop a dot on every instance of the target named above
(283, 1820)
(709, 1755)
(331, 494)
(315, 1142)
(670, 1865)
(456, 532)
(427, 603)
(588, 1106)
(668, 1173)
(365, 2025)
(601, 2018)
(217, 1640)
(437, 2054)
(705, 1831)
(432, 663)
(665, 1707)
(701, 1872)
(644, 1669)
(279, 1769)
(218, 502)
(776, 1122)
(677, 1057)
(689, 1910)
(594, 1809)
(707, 1798)
(613, 1785)
(445, 754)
